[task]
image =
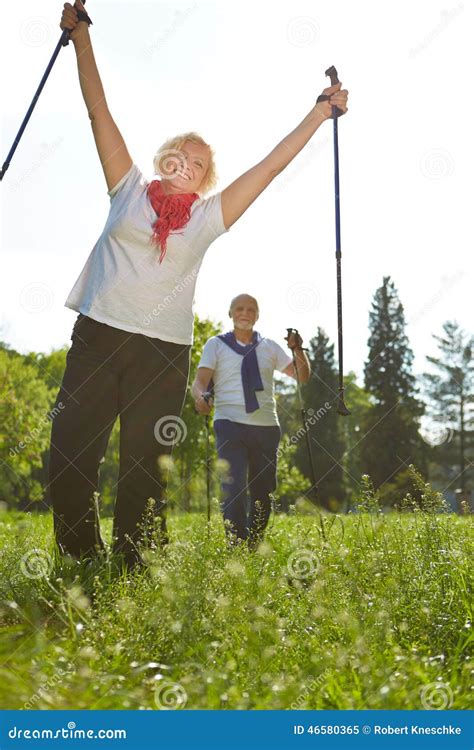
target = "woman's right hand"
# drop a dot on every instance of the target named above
(70, 21)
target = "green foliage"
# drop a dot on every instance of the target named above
(187, 488)
(292, 484)
(358, 402)
(369, 501)
(391, 428)
(25, 425)
(49, 367)
(450, 391)
(374, 615)
(324, 425)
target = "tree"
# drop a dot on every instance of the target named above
(450, 391)
(320, 397)
(391, 439)
(25, 425)
(188, 475)
(358, 401)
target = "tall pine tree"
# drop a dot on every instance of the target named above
(320, 398)
(390, 438)
(450, 390)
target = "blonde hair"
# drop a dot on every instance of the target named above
(173, 145)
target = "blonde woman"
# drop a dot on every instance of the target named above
(131, 341)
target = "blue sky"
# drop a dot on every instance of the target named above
(244, 75)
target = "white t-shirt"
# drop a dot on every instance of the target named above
(122, 283)
(229, 400)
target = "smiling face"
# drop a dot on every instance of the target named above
(183, 171)
(244, 312)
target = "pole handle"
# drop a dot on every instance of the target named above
(332, 73)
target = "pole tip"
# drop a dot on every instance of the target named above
(341, 406)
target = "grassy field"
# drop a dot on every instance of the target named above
(368, 611)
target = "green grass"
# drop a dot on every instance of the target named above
(374, 615)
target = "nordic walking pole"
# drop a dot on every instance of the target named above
(208, 398)
(289, 331)
(63, 42)
(336, 112)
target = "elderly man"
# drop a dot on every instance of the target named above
(240, 366)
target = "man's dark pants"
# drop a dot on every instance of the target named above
(251, 454)
(112, 373)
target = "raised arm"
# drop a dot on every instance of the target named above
(241, 193)
(113, 153)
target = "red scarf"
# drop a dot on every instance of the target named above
(174, 212)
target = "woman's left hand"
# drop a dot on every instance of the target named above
(338, 98)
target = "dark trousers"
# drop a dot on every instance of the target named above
(251, 455)
(110, 373)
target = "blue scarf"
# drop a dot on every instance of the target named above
(251, 378)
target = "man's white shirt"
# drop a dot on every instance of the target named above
(229, 401)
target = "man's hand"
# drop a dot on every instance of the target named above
(294, 340)
(202, 405)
